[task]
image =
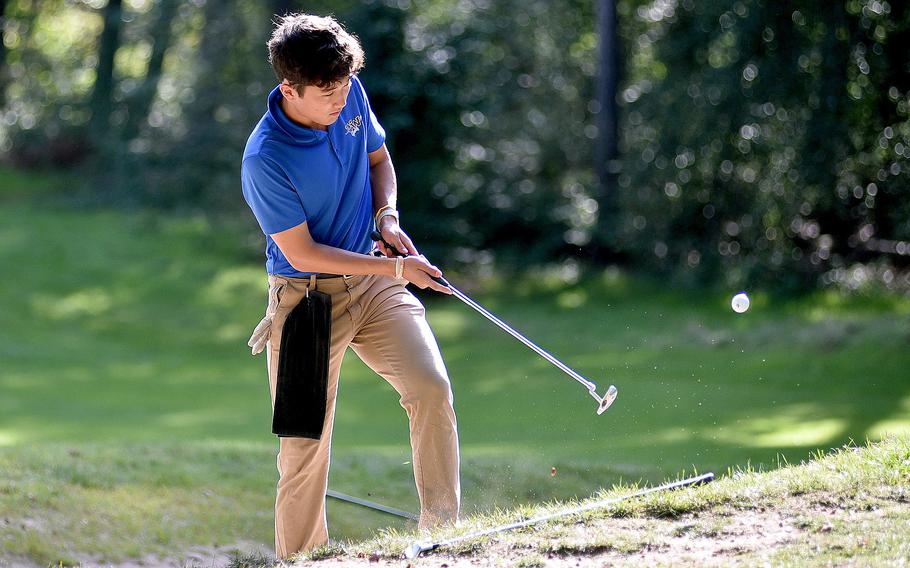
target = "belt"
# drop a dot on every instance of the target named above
(319, 276)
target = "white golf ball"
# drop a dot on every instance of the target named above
(740, 303)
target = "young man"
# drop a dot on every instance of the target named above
(318, 177)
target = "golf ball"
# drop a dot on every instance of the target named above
(740, 303)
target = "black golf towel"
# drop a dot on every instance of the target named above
(303, 368)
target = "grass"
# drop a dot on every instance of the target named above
(111, 502)
(126, 387)
(846, 506)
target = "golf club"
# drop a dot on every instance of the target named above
(603, 402)
(371, 505)
(416, 548)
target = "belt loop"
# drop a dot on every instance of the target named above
(312, 285)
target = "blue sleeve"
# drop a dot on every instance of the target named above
(270, 195)
(375, 131)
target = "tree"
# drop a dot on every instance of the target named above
(141, 101)
(3, 70)
(765, 142)
(607, 116)
(108, 43)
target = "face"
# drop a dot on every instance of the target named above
(316, 107)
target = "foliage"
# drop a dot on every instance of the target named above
(766, 143)
(761, 144)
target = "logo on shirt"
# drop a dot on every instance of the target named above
(353, 125)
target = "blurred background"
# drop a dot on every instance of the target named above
(605, 175)
(744, 143)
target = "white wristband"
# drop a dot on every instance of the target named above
(386, 213)
(399, 267)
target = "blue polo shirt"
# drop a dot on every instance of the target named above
(293, 174)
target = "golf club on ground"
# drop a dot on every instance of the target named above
(603, 402)
(371, 505)
(416, 548)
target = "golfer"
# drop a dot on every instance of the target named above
(318, 177)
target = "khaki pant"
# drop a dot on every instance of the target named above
(386, 327)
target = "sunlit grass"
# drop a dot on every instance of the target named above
(129, 330)
(852, 479)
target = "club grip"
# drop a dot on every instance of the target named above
(376, 236)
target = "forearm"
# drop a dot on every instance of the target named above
(315, 257)
(383, 182)
(306, 255)
(310, 256)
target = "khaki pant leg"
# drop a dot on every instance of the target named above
(303, 463)
(395, 340)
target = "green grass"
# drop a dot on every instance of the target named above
(123, 342)
(30, 187)
(116, 501)
(849, 506)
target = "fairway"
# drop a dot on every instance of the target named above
(124, 375)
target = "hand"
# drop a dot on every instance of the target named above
(393, 234)
(419, 271)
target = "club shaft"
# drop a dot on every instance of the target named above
(530, 344)
(590, 506)
(371, 505)
(592, 388)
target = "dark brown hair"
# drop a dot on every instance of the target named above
(313, 50)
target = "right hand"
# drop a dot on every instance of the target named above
(418, 271)
(393, 234)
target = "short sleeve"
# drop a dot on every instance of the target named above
(375, 131)
(270, 195)
(375, 135)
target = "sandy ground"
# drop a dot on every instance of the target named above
(722, 537)
(683, 541)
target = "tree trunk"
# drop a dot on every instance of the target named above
(606, 146)
(161, 39)
(4, 73)
(101, 100)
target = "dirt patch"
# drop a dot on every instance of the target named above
(721, 539)
(724, 535)
(711, 538)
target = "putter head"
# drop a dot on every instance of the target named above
(607, 399)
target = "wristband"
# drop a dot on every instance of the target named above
(376, 217)
(387, 213)
(399, 267)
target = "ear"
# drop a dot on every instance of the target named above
(288, 91)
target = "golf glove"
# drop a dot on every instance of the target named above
(260, 335)
(263, 330)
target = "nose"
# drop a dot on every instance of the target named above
(340, 99)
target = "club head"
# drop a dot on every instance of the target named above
(706, 478)
(413, 551)
(607, 399)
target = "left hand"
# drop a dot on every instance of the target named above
(393, 234)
